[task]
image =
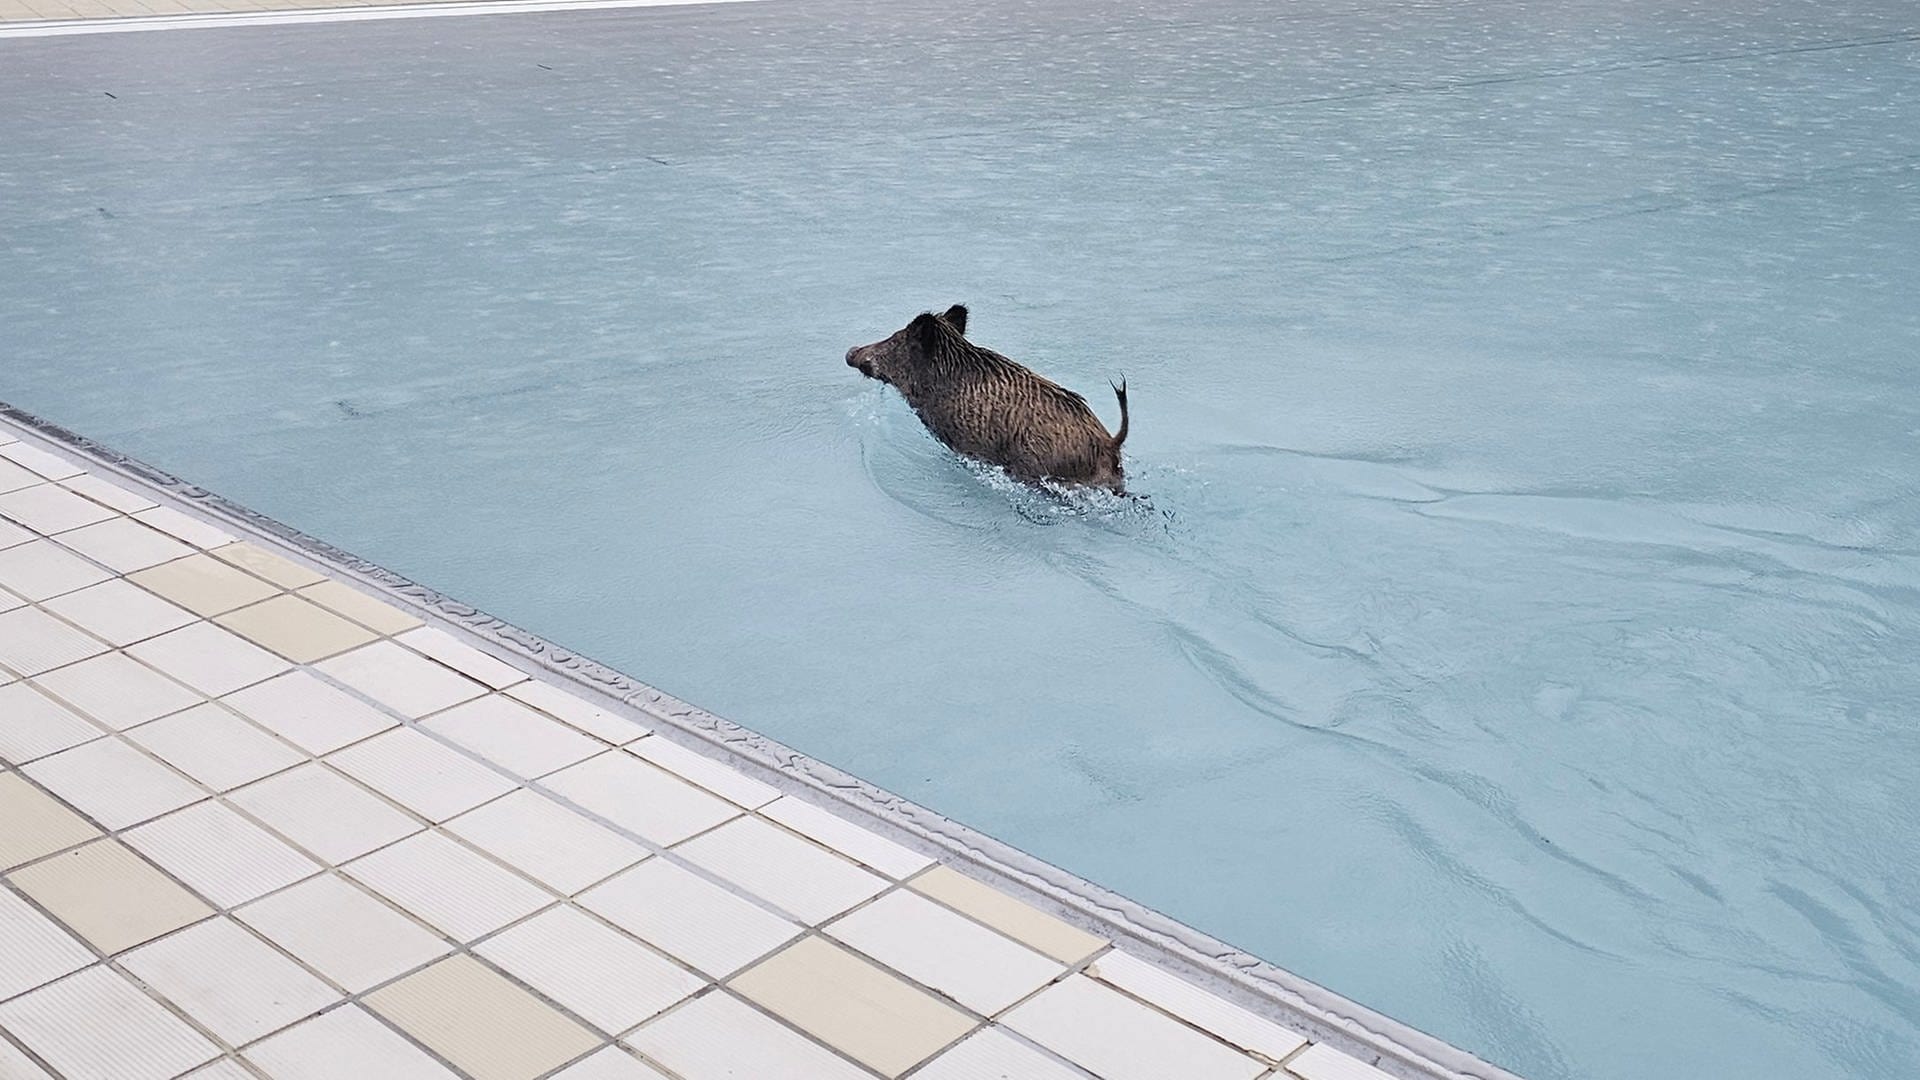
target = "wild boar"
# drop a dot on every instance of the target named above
(987, 407)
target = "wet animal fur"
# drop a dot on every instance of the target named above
(987, 407)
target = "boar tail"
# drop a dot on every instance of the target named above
(1121, 393)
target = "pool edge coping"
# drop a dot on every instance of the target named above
(1222, 969)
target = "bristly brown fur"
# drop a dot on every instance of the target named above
(986, 406)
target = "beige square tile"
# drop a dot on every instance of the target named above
(208, 659)
(50, 508)
(117, 690)
(406, 682)
(33, 725)
(215, 747)
(474, 1017)
(375, 615)
(118, 612)
(720, 1037)
(203, 584)
(41, 569)
(32, 641)
(262, 563)
(107, 493)
(856, 1007)
(947, 951)
(35, 823)
(1021, 922)
(298, 630)
(109, 896)
(124, 545)
(1114, 1036)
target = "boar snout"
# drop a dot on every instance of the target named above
(855, 361)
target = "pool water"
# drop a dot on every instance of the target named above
(1520, 632)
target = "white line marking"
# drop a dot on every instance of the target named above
(220, 19)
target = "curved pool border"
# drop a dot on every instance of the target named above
(1318, 1013)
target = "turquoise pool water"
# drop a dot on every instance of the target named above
(1523, 636)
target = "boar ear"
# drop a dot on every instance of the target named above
(956, 317)
(925, 330)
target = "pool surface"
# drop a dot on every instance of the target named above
(1520, 637)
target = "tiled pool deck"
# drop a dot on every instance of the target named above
(264, 816)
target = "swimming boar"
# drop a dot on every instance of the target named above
(990, 408)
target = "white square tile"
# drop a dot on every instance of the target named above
(1196, 1006)
(237, 986)
(220, 854)
(462, 657)
(209, 659)
(607, 978)
(12, 535)
(32, 641)
(547, 841)
(33, 726)
(427, 777)
(16, 1065)
(118, 612)
(117, 690)
(689, 917)
(178, 525)
(113, 783)
(992, 1054)
(39, 461)
(308, 713)
(107, 493)
(719, 1037)
(639, 797)
(124, 545)
(793, 874)
(8, 601)
(42, 569)
(716, 776)
(1116, 1037)
(96, 1025)
(453, 888)
(512, 735)
(855, 842)
(946, 951)
(326, 813)
(215, 747)
(1323, 1062)
(50, 508)
(613, 1063)
(345, 1044)
(407, 682)
(343, 933)
(578, 712)
(34, 950)
(14, 477)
